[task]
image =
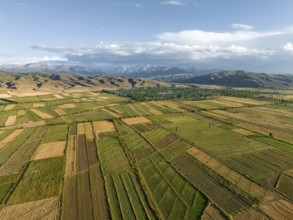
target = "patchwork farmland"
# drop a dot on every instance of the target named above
(94, 155)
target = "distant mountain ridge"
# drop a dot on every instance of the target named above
(140, 71)
(242, 79)
(50, 68)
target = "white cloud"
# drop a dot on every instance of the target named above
(173, 2)
(288, 47)
(235, 49)
(244, 27)
(205, 37)
(153, 52)
(15, 59)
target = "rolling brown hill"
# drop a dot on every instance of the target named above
(56, 82)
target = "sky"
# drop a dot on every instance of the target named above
(254, 35)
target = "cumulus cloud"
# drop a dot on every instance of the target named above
(173, 2)
(288, 47)
(205, 37)
(234, 49)
(152, 53)
(244, 27)
(15, 59)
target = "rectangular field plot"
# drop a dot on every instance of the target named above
(172, 194)
(49, 150)
(6, 182)
(103, 126)
(23, 155)
(42, 179)
(40, 209)
(285, 185)
(56, 133)
(9, 138)
(136, 120)
(14, 145)
(210, 138)
(112, 156)
(87, 116)
(137, 145)
(126, 198)
(226, 200)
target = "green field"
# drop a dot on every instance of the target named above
(187, 154)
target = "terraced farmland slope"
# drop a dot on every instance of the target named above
(92, 155)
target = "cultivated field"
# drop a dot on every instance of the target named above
(93, 155)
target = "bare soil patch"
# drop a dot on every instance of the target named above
(49, 150)
(136, 120)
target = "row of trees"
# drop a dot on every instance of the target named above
(164, 93)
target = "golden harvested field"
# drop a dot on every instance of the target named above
(280, 209)
(103, 126)
(10, 120)
(137, 120)
(243, 131)
(10, 138)
(47, 209)
(38, 105)
(60, 112)
(41, 114)
(103, 97)
(53, 149)
(80, 128)
(59, 96)
(9, 107)
(67, 106)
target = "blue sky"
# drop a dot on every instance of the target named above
(230, 34)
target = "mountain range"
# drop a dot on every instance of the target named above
(184, 75)
(143, 71)
(242, 79)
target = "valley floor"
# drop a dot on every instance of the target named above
(91, 155)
